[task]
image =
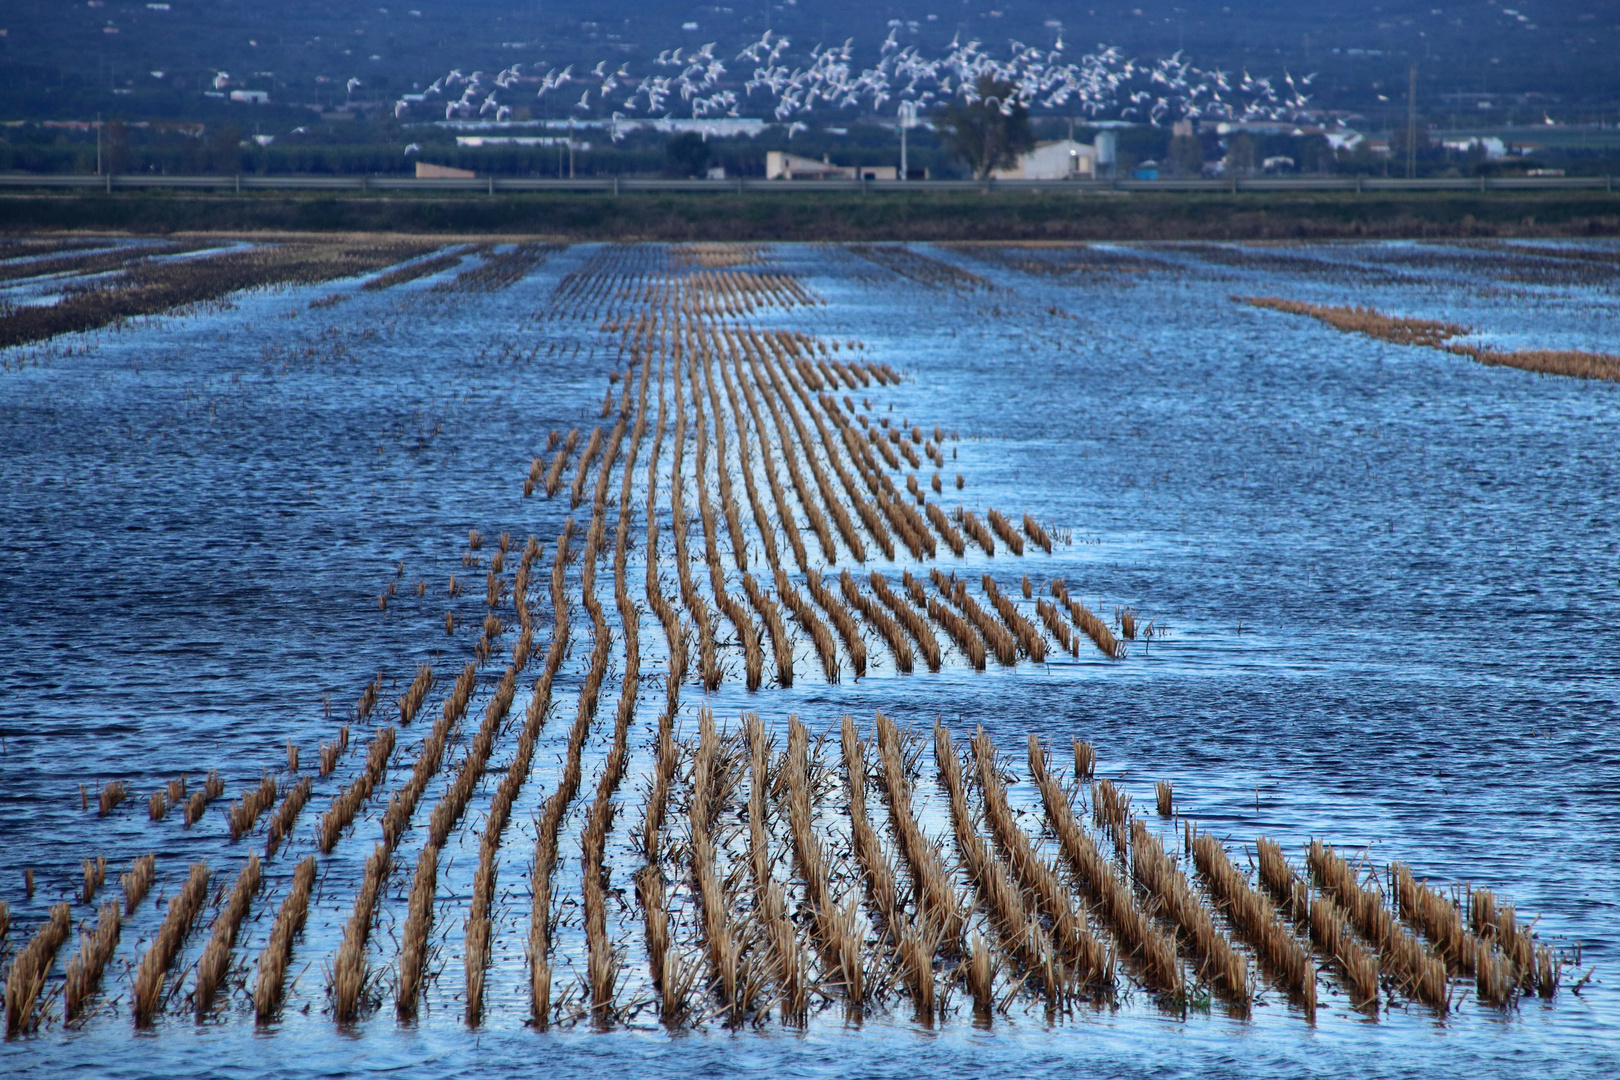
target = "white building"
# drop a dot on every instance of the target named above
(780, 165)
(1064, 159)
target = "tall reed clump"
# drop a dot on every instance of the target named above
(1060, 629)
(475, 944)
(559, 463)
(977, 532)
(84, 971)
(776, 927)
(1088, 960)
(95, 875)
(820, 636)
(868, 514)
(904, 658)
(1225, 967)
(25, 979)
(1090, 625)
(1153, 951)
(413, 946)
(137, 881)
(812, 511)
(1022, 935)
(603, 961)
(995, 635)
(1256, 920)
(545, 861)
(213, 787)
(912, 946)
(216, 957)
(281, 822)
(942, 907)
(1438, 917)
(1085, 760)
(428, 761)
(271, 983)
(348, 802)
(836, 927)
(1322, 919)
(1004, 529)
(410, 702)
(110, 796)
(848, 628)
(1029, 637)
(536, 472)
(942, 523)
(781, 644)
(1421, 972)
(673, 1008)
(245, 812)
(915, 624)
(672, 974)
(350, 974)
(1038, 534)
(592, 449)
(962, 632)
(1164, 793)
(784, 512)
(479, 930)
(155, 964)
(1530, 966)
(330, 752)
(711, 778)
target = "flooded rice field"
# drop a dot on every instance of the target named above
(990, 659)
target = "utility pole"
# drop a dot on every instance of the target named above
(908, 120)
(1411, 123)
(98, 144)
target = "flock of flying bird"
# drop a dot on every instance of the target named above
(1098, 84)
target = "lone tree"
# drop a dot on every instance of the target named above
(991, 132)
(686, 155)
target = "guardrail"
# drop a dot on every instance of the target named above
(622, 185)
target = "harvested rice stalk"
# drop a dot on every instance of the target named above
(350, 974)
(418, 924)
(1225, 968)
(216, 957)
(833, 925)
(1109, 895)
(277, 952)
(1022, 936)
(84, 971)
(1090, 963)
(1256, 921)
(26, 977)
(1324, 921)
(1420, 972)
(155, 964)
(943, 909)
(912, 947)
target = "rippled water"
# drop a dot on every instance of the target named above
(1389, 577)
